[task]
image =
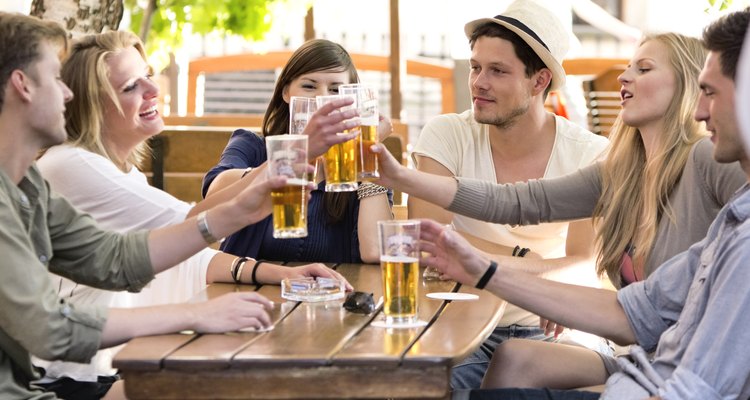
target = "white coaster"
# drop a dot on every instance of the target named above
(381, 323)
(452, 296)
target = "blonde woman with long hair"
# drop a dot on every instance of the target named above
(654, 196)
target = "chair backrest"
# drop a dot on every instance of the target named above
(603, 99)
(182, 155)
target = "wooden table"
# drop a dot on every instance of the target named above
(316, 350)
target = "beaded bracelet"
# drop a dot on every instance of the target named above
(367, 189)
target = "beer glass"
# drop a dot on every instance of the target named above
(340, 164)
(399, 265)
(366, 102)
(287, 156)
(301, 110)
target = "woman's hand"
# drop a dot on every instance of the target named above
(315, 270)
(389, 168)
(326, 123)
(232, 312)
(385, 127)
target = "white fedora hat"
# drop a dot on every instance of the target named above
(539, 28)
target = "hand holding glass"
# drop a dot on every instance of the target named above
(399, 264)
(287, 156)
(341, 159)
(366, 102)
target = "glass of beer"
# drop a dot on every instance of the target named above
(287, 156)
(399, 264)
(366, 102)
(340, 164)
(301, 110)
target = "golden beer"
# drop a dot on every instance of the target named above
(368, 161)
(341, 167)
(290, 210)
(400, 279)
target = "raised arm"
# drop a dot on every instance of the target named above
(322, 129)
(592, 310)
(571, 197)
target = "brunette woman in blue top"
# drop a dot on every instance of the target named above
(341, 226)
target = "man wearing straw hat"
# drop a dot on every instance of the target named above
(507, 137)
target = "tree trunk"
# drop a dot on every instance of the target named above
(81, 16)
(148, 16)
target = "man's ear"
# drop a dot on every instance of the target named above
(542, 80)
(21, 84)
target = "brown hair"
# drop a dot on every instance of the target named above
(725, 36)
(531, 61)
(20, 36)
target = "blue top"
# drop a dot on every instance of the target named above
(693, 312)
(325, 242)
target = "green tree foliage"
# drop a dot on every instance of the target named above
(250, 19)
(719, 5)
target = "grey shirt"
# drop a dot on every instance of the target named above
(40, 232)
(705, 186)
(693, 312)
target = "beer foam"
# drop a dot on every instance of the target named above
(401, 259)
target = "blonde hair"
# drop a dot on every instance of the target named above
(635, 191)
(87, 75)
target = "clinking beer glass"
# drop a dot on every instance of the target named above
(287, 156)
(399, 264)
(366, 102)
(341, 159)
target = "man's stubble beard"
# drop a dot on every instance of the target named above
(503, 121)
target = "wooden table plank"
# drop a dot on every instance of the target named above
(445, 337)
(215, 351)
(313, 332)
(146, 353)
(387, 346)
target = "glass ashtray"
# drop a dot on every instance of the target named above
(312, 289)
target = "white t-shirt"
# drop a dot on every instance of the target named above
(462, 145)
(119, 202)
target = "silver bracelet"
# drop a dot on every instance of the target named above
(204, 230)
(367, 189)
(247, 171)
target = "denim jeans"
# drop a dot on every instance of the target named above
(523, 394)
(468, 373)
